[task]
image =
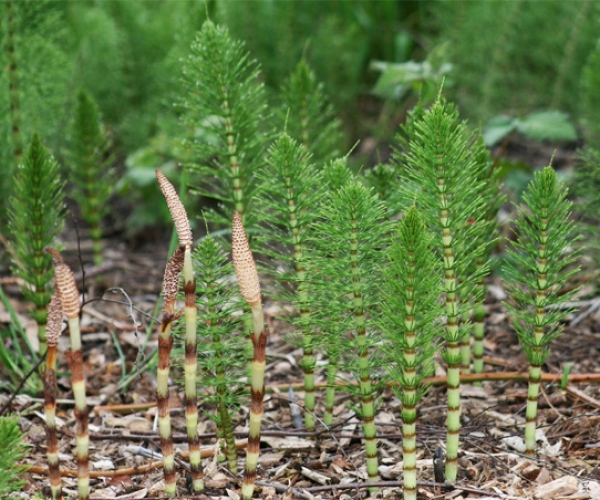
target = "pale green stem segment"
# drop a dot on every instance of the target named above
(82, 438)
(453, 354)
(409, 456)
(364, 367)
(190, 369)
(535, 370)
(332, 370)
(232, 151)
(535, 375)
(409, 389)
(308, 358)
(478, 336)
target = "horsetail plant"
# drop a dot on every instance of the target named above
(308, 117)
(247, 277)
(440, 175)
(486, 238)
(184, 234)
(540, 262)
(222, 360)
(35, 220)
(165, 344)
(53, 331)
(90, 167)
(69, 299)
(290, 192)
(227, 105)
(410, 289)
(348, 237)
(331, 319)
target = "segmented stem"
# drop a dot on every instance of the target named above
(364, 367)
(479, 326)
(53, 334)
(232, 151)
(190, 369)
(535, 369)
(165, 343)
(452, 354)
(247, 276)
(69, 297)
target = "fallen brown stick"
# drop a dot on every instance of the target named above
(205, 452)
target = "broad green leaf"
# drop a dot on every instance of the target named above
(552, 125)
(498, 128)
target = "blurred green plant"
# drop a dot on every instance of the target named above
(13, 451)
(91, 170)
(506, 61)
(36, 217)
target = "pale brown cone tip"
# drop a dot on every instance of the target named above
(172, 272)
(65, 285)
(243, 262)
(180, 219)
(54, 320)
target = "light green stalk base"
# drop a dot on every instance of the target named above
(409, 456)
(533, 389)
(453, 419)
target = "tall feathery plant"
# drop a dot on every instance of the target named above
(247, 277)
(410, 289)
(90, 163)
(222, 360)
(540, 262)
(226, 104)
(441, 175)
(184, 234)
(331, 320)
(291, 191)
(71, 308)
(35, 219)
(308, 116)
(486, 239)
(348, 238)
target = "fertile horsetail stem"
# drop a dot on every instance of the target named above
(184, 233)
(53, 330)
(180, 219)
(165, 343)
(247, 276)
(69, 297)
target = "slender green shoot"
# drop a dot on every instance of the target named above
(35, 220)
(410, 322)
(90, 162)
(222, 359)
(291, 191)
(540, 263)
